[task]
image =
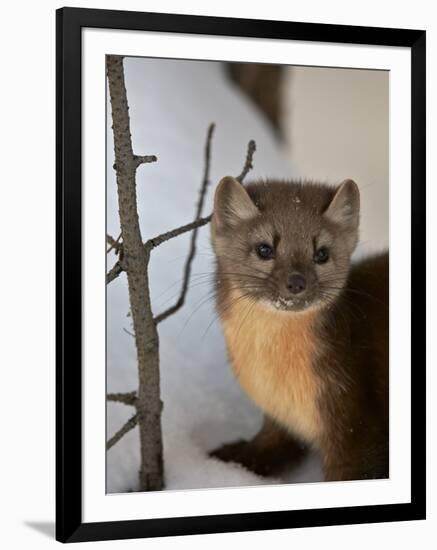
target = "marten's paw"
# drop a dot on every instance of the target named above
(259, 461)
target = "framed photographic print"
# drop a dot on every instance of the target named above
(240, 274)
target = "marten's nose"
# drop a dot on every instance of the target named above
(296, 283)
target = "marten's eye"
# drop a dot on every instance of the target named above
(264, 251)
(321, 255)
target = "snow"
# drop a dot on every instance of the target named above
(171, 106)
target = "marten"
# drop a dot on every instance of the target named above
(306, 328)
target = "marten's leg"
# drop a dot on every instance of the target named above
(271, 450)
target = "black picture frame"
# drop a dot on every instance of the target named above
(69, 525)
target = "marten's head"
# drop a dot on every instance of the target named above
(286, 245)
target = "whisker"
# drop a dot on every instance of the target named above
(359, 292)
(228, 306)
(250, 309)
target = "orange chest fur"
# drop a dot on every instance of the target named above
(272, 354)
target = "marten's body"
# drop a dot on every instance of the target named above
(317, 368)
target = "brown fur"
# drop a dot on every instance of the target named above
(269, 452)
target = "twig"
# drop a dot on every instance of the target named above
(192, 250)
(117, 269)
(251, 148)
(138, 159)
(113, 244)
(156, 241)
(113, 273)
(129, 398)
(130, 424)
(129, 332)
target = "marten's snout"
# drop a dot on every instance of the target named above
(296, 283)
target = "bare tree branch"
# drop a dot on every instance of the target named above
(144, 159)
(130, 424)
(114, 244)
(129, 398)
(138, 160)
(251, 148)
(129, 332)
(192, 250)
(135, 261)
(113, 273)
(156, 241)
(118, 247)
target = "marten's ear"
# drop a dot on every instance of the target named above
(232, 203)
(344, 208)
